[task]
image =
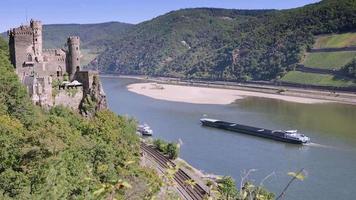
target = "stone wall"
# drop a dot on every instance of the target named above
(54, 63)
(68, 98)
(86, 78)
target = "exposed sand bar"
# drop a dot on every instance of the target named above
(202, 95)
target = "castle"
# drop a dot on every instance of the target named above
(51, 76)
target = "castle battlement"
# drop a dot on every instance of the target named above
(22, 30)
(36, 67)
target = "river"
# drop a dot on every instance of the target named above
(330, 161)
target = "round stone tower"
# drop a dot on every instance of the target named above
(37, 37)
(73, 43)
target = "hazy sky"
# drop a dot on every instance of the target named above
(13, 12)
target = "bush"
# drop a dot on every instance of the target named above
(172, 150)
(169, 149)
(350, 69)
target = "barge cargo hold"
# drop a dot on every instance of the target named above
(289, 136)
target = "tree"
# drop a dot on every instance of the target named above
(350, 69)
(172, 150)
(227, 188)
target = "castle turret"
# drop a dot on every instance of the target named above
(73, 56)
(37, 37)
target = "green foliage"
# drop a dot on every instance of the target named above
(4, 46)
(170, 149)
(317, 79)
(336, 40)
(13, 99)
(58, 154)
(227, 188)
(227, 191)
(72, 91)
(91, 103)
(161, 145)
(55, 87)
(350, 69)
(13, 183)
(300, 175)
(88, 105)
(65, 77)
(209, 43)
(329, 60)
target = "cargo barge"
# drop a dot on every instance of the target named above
(289, 136)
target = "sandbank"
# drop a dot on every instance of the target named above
(205, 95)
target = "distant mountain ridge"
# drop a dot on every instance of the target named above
(225, 44)
(91, 35)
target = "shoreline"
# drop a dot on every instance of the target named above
(203, 95)
(210, 93)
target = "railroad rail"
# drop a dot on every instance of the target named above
(188, 192)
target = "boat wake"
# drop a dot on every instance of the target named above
(311, 144)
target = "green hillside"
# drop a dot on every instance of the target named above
(336, 40)
(91, 35)
(329, 60)
(58, 154)
(173, 43)
(316, 79)
(226, 44)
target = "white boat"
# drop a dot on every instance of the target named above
(144, 130)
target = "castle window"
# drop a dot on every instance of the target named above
(78, 68)
(36, 39)
(59, 71)
(77, 58)
(77, 48)
(29, 57)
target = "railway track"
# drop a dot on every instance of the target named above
(188, 192)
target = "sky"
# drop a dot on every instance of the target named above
(15, 12)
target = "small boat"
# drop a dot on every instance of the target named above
(144, 130)
(290, 136)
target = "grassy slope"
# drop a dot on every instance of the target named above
(329, 60)
(336, 40)
(316, 79)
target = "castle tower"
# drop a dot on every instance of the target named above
(37, 37)
(73, 56)
(22, 47)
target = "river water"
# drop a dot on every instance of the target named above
(330, 161)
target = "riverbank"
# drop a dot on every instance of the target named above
(204, 95)
(291, 94)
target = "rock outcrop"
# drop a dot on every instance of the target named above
(94, 100)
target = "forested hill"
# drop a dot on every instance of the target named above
(91, 35)
(226, 44)
(58, 154)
